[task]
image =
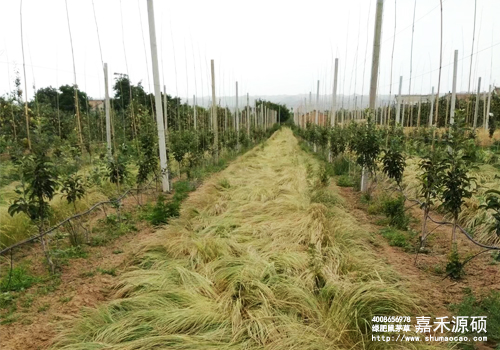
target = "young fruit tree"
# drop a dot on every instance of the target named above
(40, 177)
(366, 144)
(457, 184)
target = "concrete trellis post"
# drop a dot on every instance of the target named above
(454, 89)
(487, 117)
(376, 53)
(374, 75)
(159, 112)
(334, 95)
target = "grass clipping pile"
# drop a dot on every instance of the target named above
(262, 257)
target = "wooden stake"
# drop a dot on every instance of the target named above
(476, 109)
(165, 109)
(194, 111)
(334, 94)
(419, 110)
(214, 114)
(432, 107)
(108, 117)
(398, 101)
(316, 117)
(248, 115)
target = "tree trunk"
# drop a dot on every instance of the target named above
(424, 227)
(453, 237)
(45, 249)
(364, 180)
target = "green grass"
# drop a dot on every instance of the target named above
(87, 274)
(398, 238)
(44, 307)
(341, 166)
(106, 271)
(394, 209)
(345, 181)
(112, 227)
(486, 305)
(17, 280)
(65, 300)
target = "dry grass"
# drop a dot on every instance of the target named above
(251, 263)
(18, 227)
(471, 217)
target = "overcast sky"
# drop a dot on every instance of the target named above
(271, 47)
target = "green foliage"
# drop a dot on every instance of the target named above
(117, 170)
(111, 272)
(7, 299)
(161, 212)
(488, 305)
(431, 177)
(366, 144)
(67, 99)
(73, 188)
(111, 228)
(338, 142)
(345, 181)
(182, 189)
(70, 253)
(41, 178)
(393, 159)
(224, 183)
(396, 238)
(148, 159)
(181, 143)
(454, 267)
(493, 204)
(394, 209)
(16, 280)
(324, 176)
(341, 166)
(457, 184)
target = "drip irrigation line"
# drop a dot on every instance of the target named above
(447, 223)
(92, 208)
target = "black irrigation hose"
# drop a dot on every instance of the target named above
(33, 238)
(450, 223)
